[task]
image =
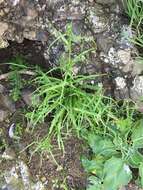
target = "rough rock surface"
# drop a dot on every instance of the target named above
(18, 178)
(40, 21)
(7, 107)
(3, 115)
(6, 103)
(29, 27)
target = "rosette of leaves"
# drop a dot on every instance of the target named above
(114, 155)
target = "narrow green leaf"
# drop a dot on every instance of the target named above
(101, 145)
(94, 183)
(124, 125)
(141, 173)
(137, 135)
(135, 159)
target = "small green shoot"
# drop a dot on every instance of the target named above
(18, 130)
(16, 81)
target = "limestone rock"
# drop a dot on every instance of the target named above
(19, 178)
(97, 19)
(3, 28)
(120, 82)
(9, 154)
(137, 66)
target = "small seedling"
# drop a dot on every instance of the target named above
(18, 130)
(18, 67)
(15, 79)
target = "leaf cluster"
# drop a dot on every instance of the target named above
(69, 101)
(114, 154)
(134, 9)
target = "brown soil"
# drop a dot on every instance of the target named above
(42, 166)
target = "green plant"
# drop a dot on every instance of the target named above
(18, 130)
(69, 101)
(139, 60)
(134, 9)
(3, 144)
(138, 40)
(115, 153)
(61, 185)
(16, 82)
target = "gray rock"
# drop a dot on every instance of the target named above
(6, 103)
(2, 88)
(3, 115)
(9, 154)
(119, 58)
(120, 82)
(122, 94)
(15, 2)
(104, 43)
(137, 66)
(1, 1)
(106, 2)
(126, 59)
(18, 178)
(3, 29)
(126, 34)
(97, 19)
(28, 97)
(111, 57)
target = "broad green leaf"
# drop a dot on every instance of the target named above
(116, 174)
(135, 159)
(94, 166)
(89, 165)
(94, 183)
(141, 173)
(101, 145)
(137, 135)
